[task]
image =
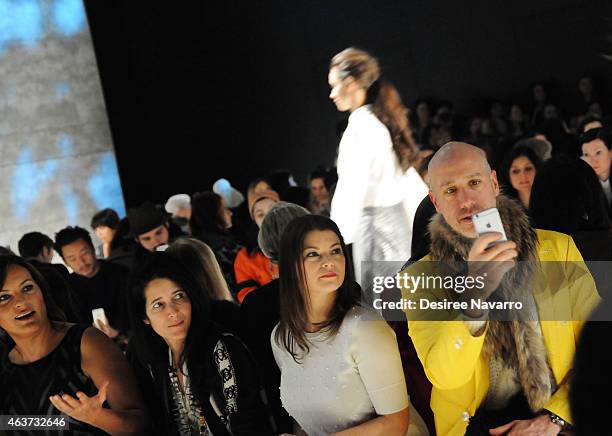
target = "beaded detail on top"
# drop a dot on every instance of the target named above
(187, 412)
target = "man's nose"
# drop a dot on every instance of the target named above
(466, 200)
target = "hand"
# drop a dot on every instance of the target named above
(540, 426)
(82, 408)
(492, 262)
(106, 328)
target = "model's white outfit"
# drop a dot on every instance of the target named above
(374, 201)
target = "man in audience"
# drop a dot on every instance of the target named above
(95, 283)
(150, 226)
(37, 248)
(486, 372)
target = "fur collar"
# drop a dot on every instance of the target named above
(517, 343)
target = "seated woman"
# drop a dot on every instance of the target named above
(518, 173)
(53, 368)
(341, 371)
(197, 380)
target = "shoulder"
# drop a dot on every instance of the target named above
(364, 323)
(555, 245)
(368, 125)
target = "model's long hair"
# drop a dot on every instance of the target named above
(151, 349)
(567, 197)
(294, 295)
(386, 102)
(198, 258)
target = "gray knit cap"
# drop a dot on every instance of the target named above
(273, 225)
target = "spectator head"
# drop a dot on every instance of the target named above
(179, 206)
(258, 185)
(541, 147)
(104, 224)
(453, 172)
(538, 92)
(313, 261)
(36, 245)
(74, 245)
(595, 109)
(423, 111)
(476, 127)
(260, 204)
(566, 197)
(519, 170)
(318, 191)
(496, 109)
(149, 226)
(589, 122)
(551, 112)
(517, 115)
(585, 86)
(273, 226)
(200, 260)
(596, 144)
(20, 278)
(166, 305)
(210, 214)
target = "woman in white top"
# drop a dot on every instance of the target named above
(341, 372)
(375, 198)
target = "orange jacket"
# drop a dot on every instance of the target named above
(253, 269)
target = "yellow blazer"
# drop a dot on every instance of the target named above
(452, 357)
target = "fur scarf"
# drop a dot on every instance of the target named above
(518, 342)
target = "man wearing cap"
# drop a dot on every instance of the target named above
(251, 268)
(150, 226)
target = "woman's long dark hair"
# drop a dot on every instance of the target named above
(54, 312)
(386, 102)
(507, 164)
(294, 296)
(567, 197)
(206, 213)
(150, 348)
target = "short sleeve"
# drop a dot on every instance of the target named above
(380, 367)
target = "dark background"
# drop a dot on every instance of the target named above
(197, 92)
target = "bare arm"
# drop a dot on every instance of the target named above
(104, 363)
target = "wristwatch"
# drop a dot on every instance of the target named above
(555, 419)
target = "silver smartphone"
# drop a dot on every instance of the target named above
(489, 221)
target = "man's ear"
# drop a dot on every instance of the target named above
(494, 182)
(146, 321)
(432, 197)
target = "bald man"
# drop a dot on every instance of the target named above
(503, 377)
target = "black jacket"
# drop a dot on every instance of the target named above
(236, 392)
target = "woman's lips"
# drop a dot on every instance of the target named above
(25, 315)
(177, 324)
(329, 275)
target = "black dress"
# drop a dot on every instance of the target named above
(26, 388)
